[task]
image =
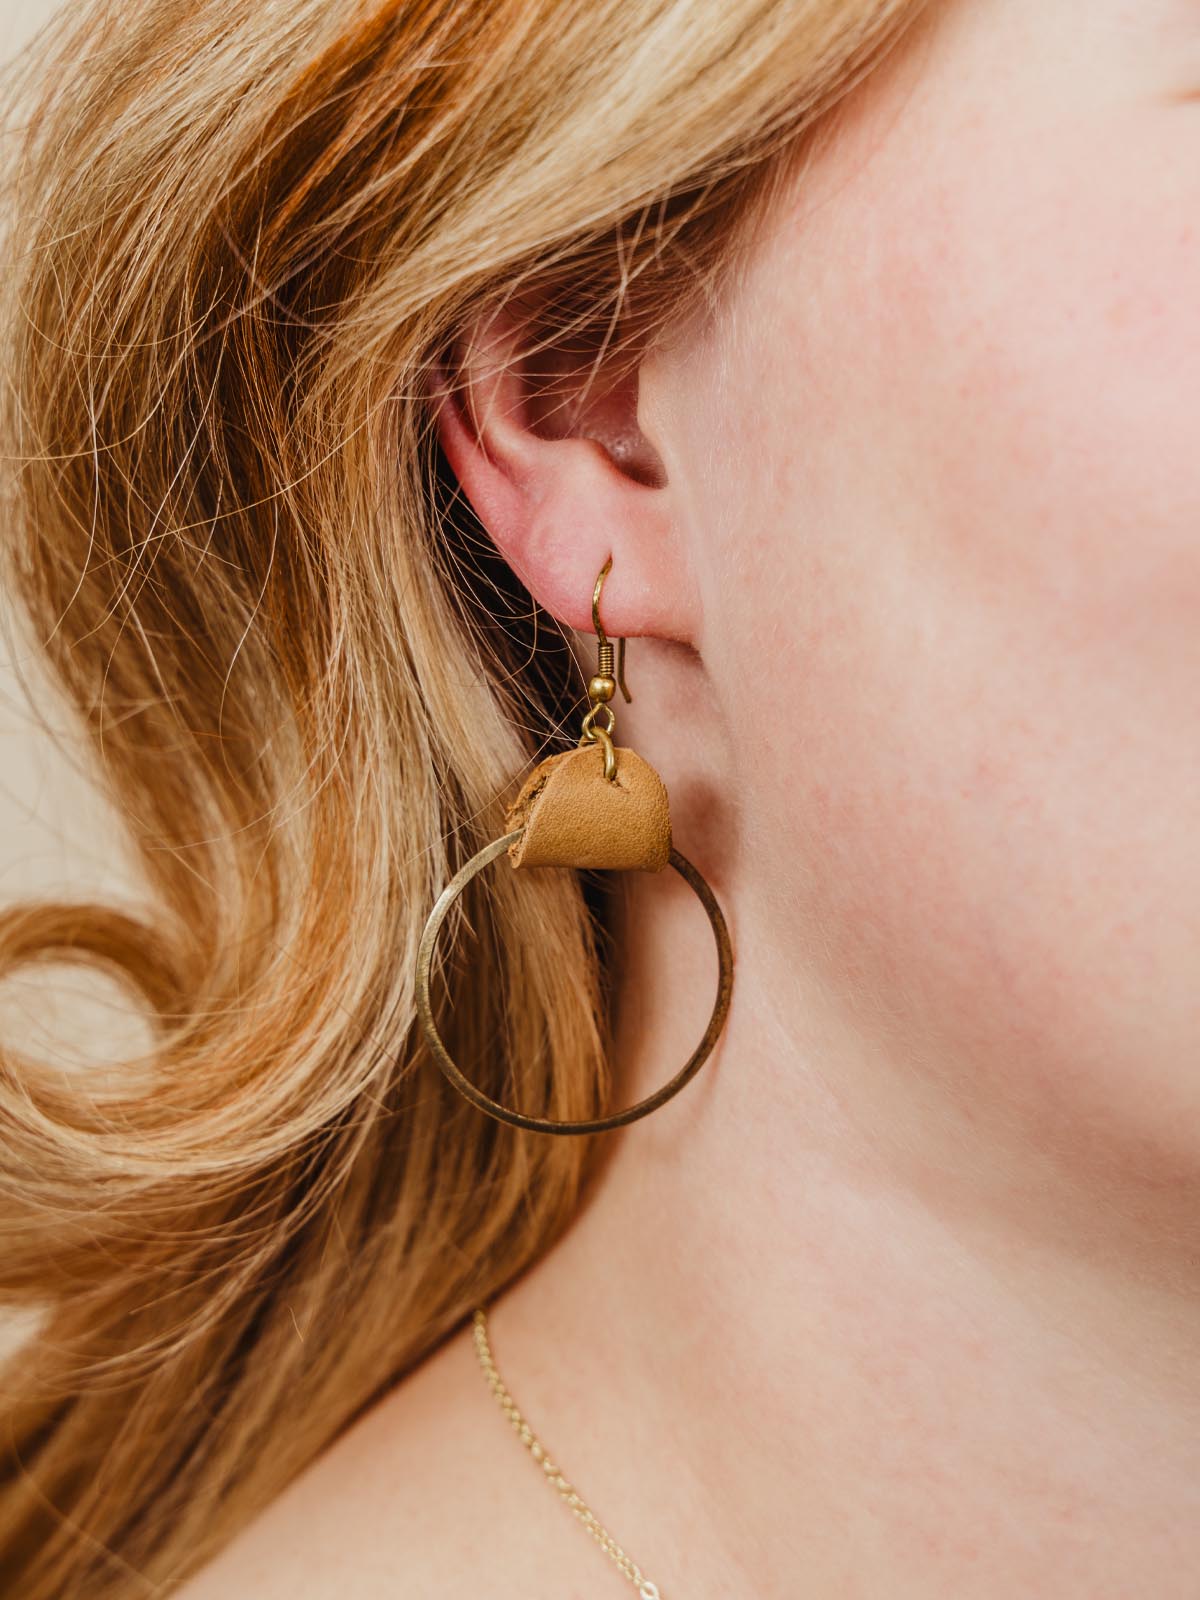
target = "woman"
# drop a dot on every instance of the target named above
(856, 343)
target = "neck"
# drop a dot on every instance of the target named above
(830, 1321)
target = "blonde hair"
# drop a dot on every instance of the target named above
(239, 236)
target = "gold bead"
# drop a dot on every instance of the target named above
(602, 687)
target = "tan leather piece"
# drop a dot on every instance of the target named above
(573, 816)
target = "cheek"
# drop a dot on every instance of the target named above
(983, 587)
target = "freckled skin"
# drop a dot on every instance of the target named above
(973, 370)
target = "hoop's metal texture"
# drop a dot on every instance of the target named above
(493, 1108)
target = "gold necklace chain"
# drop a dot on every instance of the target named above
(646, 1589)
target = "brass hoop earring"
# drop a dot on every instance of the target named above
(571, 812)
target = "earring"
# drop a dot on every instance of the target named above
(577, 810)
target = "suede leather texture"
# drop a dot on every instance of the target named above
(571, 815)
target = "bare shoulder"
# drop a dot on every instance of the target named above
(415, 1498)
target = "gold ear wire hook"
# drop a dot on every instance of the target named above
(603, 686)
(604, 666)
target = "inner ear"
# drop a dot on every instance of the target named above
(572, 389)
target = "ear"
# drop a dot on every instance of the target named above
(549, 451)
